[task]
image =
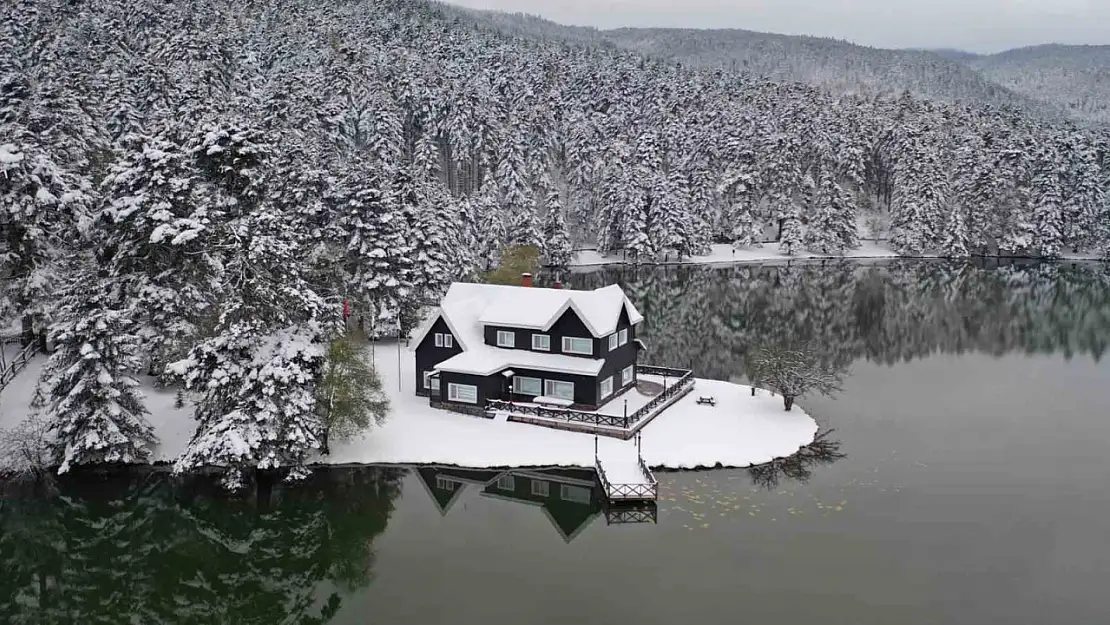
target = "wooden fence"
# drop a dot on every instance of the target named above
(562, 414)
(18, 363)
(683, 378)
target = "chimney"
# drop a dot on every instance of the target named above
(525, 279)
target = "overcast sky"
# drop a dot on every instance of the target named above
(976, 25)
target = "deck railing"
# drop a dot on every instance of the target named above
(562, 414)
(628, 492)
(683, 378)
(18, 363)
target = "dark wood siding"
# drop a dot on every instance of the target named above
(585, 387)
(619, 358)
(489, 387)
(567, 325)
(428, 355)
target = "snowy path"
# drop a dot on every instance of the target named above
(739, 431)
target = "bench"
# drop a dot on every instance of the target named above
(707, 400)
(553, 401)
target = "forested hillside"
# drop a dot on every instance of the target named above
(836, 65)
(202, 183)
(1076, 78)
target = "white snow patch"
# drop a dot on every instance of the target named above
(739, 431)
(724, 254)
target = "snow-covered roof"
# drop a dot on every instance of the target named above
(539, 309)
(468, 308)
(487, 360)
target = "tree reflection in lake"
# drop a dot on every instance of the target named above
(799, 467)
(709, 318)
(139, 546)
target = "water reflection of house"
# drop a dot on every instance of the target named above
(570, 498)
(446, 484)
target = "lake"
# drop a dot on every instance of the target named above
(963, 479)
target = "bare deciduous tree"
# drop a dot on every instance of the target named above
(793, 372)
(25, 451)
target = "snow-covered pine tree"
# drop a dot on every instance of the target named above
(617, 194)
(791, 240)
(43, 209)
(556, 239)
(87, 388)
(1048, 204)
(670, 220)
(159, 219)
(954, 237)
(832, 224)
(254, 375)
(1083, 196)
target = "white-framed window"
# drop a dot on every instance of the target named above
(446, 483)
(606, 387)
(627, 374)
(574, 494)
(540, 488)
(431, 383)
(506, 482)
(464, 393)
(561, 390)
(623, 340)
(448, 340)
(439, 339)
(541, 342)
(612, 341)
(527, 386)
(575, 345)
(506, 338)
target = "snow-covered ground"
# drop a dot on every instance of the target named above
(723, 254)
(739, 431)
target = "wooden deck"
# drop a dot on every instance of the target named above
(626, 478)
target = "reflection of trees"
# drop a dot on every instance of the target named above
(799, 467)
(710, 318)
(142, 547)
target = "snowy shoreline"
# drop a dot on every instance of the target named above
(724, 254)
(740, 431)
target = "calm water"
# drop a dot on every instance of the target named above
(974, 488)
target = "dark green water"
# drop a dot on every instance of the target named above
(975, 488)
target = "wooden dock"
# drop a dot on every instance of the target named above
(626, 478)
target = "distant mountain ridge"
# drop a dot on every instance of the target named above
(1051, 80)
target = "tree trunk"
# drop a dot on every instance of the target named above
(788, 401)
(28, 336)
(264, 489)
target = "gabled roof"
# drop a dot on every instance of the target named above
(468, 308)
(539, 309)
